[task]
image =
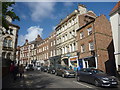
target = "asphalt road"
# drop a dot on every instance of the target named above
(37, 79)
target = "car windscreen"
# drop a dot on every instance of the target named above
(66, 68)
(96, 71)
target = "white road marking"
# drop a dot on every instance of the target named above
(82, 84)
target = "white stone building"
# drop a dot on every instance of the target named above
(115, 23)
(8, 43)
(66, 37)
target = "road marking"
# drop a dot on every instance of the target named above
(82, 84)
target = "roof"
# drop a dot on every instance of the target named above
(13, 24)
(116, 7)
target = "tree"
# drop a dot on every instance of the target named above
(6, 11)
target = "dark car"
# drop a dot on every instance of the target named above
(29, 67)
(51, 69)
(65, 71)
(44, 68)
(96, 77)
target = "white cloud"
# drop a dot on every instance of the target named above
(68, 3)
(40, 10)
(32, 33)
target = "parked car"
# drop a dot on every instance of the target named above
(96, 77)
(29, 67)
(65, 71)
(44, 68)
(51, 69)
(37, 68)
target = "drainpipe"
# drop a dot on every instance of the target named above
(96, 57)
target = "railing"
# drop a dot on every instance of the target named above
(7, 48)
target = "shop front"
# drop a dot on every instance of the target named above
(89, 62)
(73, 61)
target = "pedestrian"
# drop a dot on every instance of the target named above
(70, 67)
(15, 71)
(75, 68)
(21, 70)
(12, 68)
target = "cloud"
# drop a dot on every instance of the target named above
(32, 33)
(40, 10)
(68, 4)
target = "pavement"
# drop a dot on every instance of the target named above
(43, 80)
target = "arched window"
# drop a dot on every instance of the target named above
(9, 56)
(7, 42)
(3, 55)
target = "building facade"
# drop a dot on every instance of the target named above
(42, 52)
(28, 52)
(18, 54)
(66, 45)
(8, 44)
(115, 23)
(94, 39)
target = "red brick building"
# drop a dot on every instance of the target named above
(43, 52)
(93, 38)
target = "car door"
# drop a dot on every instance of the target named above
(81, 74)
(88, 76)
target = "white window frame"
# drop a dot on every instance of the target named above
(91, 44)
(82, 48)
(81, 35)
(89, 30)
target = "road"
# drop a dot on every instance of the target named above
(37, 79)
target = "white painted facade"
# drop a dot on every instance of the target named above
(66, 35)
(115, 23)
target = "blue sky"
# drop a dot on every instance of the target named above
(41, 18)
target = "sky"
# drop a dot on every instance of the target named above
(42, 17)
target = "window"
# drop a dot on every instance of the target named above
(82, 48)
(89, 30)
(70, 34)
(91, 46)
(66, 37)
(51, 53)
(74, 46)
(9, 43)
(11, 31)
(70, 46)
(54, 52)
(5, 42)
(47, 47)
(63, 38)
(51, 43)
(81, 35)
(73, 33)
(54, 42)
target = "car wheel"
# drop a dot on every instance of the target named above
(78, 78)
(51, 72)
(63, 75)
(96, 83)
